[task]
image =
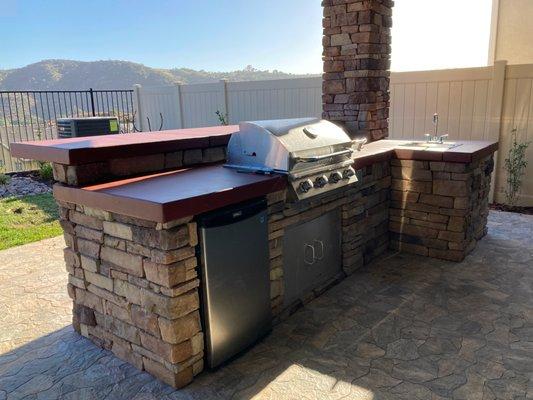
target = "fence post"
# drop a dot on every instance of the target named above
(137, 105)
(92, 101)
(495, 115)
(225, 92)
(180, 105)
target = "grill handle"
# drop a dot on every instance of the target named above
(318, 158)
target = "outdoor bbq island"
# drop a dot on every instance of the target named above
(131, 207)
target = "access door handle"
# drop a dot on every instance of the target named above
(308, 249)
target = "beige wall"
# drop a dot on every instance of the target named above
(512, 31)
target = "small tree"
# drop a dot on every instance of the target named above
(515, 164)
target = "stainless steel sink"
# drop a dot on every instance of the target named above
(430, 146)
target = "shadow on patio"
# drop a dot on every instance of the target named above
(406, 327)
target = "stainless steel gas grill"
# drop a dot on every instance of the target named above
(314, 154)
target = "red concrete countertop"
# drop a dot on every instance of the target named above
(466, 152)
(84, 150)
(167, 196)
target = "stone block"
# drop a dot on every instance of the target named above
(99, 280)
(436, 200)
(452, 236)
(85, 220)
(89, 248)
(173, 353)
(411, 186)
(166, 239)
(122, 349)
(97, 213)
(131, 264)
(178, 330)
(139, 249)
(457, 224)
(89, 234)
(213, 154)
(137, 165)
(413, 174)
(171, 256)
(174, 159)
(414, 230)
(76, 282)
(89, 299)
(115, 243)
(170, 307)
(145, 320)
(168, 275)
(116, 311)
(118, 230)
(125, 289)
(451, 188)
(84, 315)
(176, 380)
(72, 258)
(107, 295)
(192, 283)
(455, 167)
(193, 156)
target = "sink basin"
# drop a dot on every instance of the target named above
(430, 146)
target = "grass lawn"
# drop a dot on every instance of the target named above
(28, 219)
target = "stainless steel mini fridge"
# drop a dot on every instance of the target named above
(235, 279)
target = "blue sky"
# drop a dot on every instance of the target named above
(222, 35)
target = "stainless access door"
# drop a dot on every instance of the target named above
(311, 255)
(235, 279)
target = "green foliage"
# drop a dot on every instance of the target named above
(222, 118)
(45, 171)
(4, 179)
(515, 164)
(28, 219)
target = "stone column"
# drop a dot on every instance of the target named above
(356, 58)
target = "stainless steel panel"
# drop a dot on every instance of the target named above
(311, 255)
(235, 286)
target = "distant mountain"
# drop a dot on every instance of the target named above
(78, 75)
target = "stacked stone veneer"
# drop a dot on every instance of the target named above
(439, 209)
(135, 285)
(114, 168)
(135, 289)
(356, 54)
(364, 210)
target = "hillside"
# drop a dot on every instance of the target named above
(77, 75)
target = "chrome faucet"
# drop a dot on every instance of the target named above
(435, 138)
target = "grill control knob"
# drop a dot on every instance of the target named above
(335, 177)
(321, 181)
(348, 173)
(306, 185)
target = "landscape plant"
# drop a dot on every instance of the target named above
(4, 178)
(515, 165)
(45, 171)
(222, 117)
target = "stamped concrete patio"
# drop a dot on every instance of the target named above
(407, 327)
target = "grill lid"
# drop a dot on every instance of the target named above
(287, 144)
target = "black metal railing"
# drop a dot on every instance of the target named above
(32, 115)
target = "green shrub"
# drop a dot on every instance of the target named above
(45, 171)
(4, 179)
(222, 118)
(515, 165)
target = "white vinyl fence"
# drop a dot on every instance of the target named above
(483, 103)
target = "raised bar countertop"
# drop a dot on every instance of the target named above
(85, 150)
(167, 196)
(170, 195)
